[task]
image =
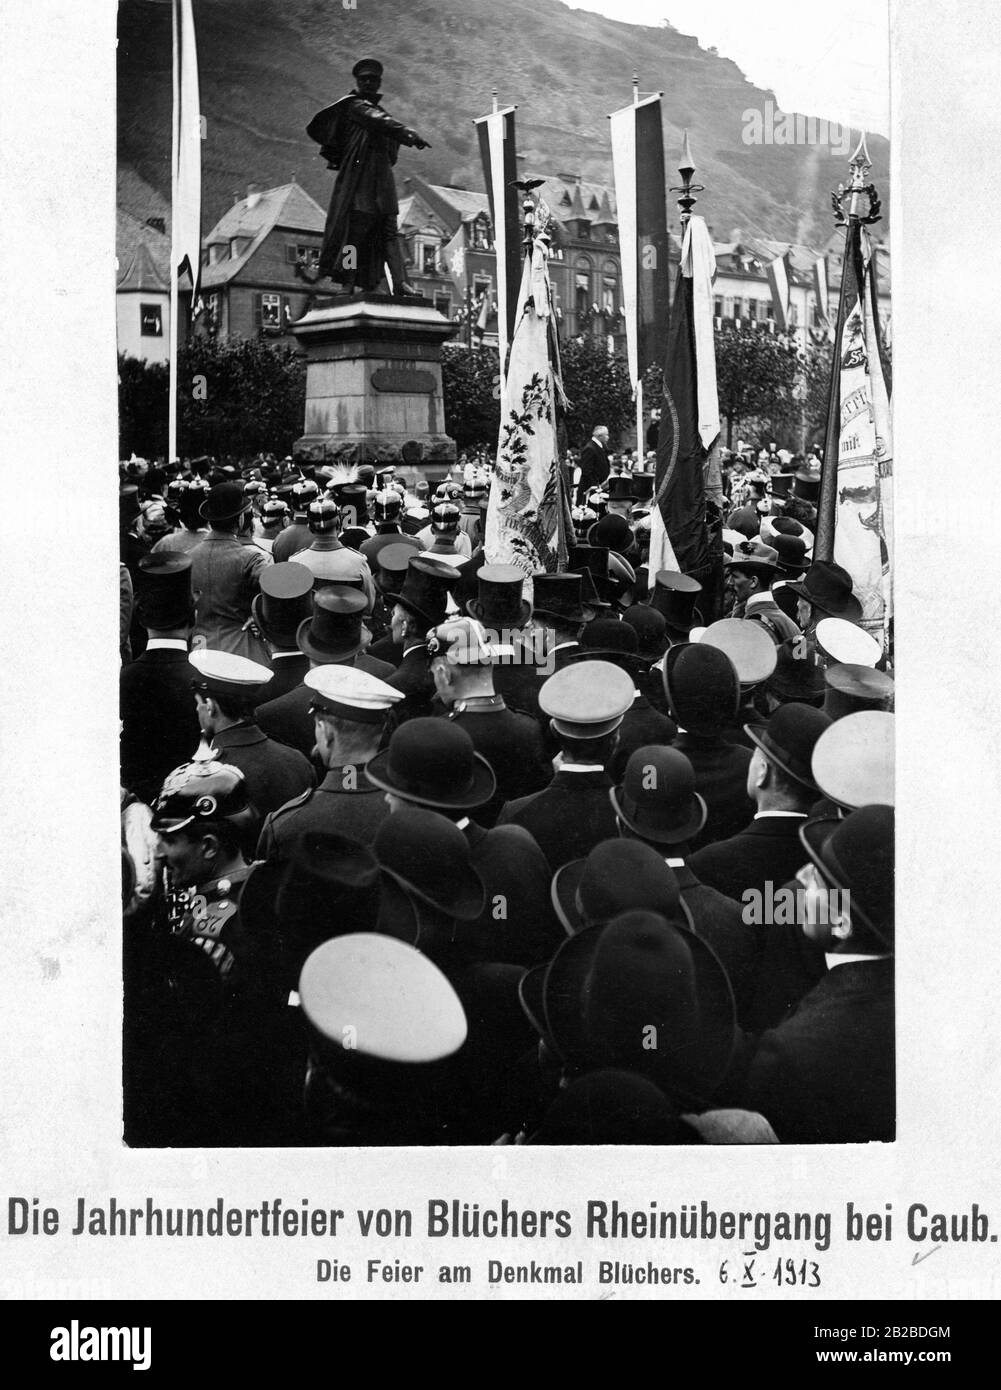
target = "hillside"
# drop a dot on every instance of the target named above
(267, 65)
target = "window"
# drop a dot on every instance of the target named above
(151, 320)
(306, 256)
(718, 306)
(271, 311)
(429, 259)
(608, 294)
(443, 303)
(482, 284)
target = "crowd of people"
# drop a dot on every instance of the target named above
(418, 849)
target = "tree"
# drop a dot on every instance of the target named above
(598, 389)
(471, 389)
(757, 375)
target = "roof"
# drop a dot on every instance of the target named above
(130, 235)
(142, 273)
(254, 217)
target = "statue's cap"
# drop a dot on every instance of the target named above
(367, 65)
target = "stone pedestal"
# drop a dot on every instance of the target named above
(373, 382)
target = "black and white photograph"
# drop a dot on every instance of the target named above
(501, 747)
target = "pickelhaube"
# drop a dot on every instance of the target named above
(202, 793)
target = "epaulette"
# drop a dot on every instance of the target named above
(294, 804)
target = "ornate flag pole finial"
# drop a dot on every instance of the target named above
(686, 169)
(859, 166)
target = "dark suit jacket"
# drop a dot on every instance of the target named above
(512, 745)
(338, 806)
(288, 719)
(274, 773)
(594, 465)
(518, 924)
(159, 724)
(567, 819)
(413, 677)
(767, 850)
(718, 921)
(826, 1075)
(288, 672)
(721, 779)
(641, 726)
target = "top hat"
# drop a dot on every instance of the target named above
(224, 502)
(334, 632)
(607, 985)
(424, 591)
(428, 856)
(789, 738)
(617, 876)
(284, 601)
(853, 761)
(657, 799)
(499, 603)
(851, 688)
(352, 498)
(748, 646)
(433, 762)
(855, 856)
(779, 484)
(806, 485)
(650, 626)
(619, 488)
(592, 563)
(163, 590)
(643, 485)
(702, 687)
(828, 586)
(675, 596)
(558, 596)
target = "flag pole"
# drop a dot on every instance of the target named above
(174, 151)
(639, 380)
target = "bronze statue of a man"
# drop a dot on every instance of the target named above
(361, 141)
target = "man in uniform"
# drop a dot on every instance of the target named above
(361, 141)
(227, 688)
(349, 709)
(225, 574)
(330, 562)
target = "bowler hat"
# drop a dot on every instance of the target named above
(611, 990)
(797, 675)
(609, 639)
(853, 761)
(650, 626)
(558, 596)
(334, 632)
(616, 876)
(828, 586)
(791, 552)
(702, 687)
(612, 532)
(284, 602)
(429, 858)
(851, 688)
(657, 799)
(224, 502)
(855, 856)
(789, 738)
(424, 591)
(433, 762)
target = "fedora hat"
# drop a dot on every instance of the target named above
(702, 687)
(424, 591)
(657, 799)
(433, 762)
(558, 596)
(224, 502)
(853, 761)
(334, 631)
(283, 603)
(608, 985)
(755, 557)
(840, 640)
(850, 688)
(499, 603)
(828, 586)
(789, 738)
(748, 646)
(429, 858)
(855, 856)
